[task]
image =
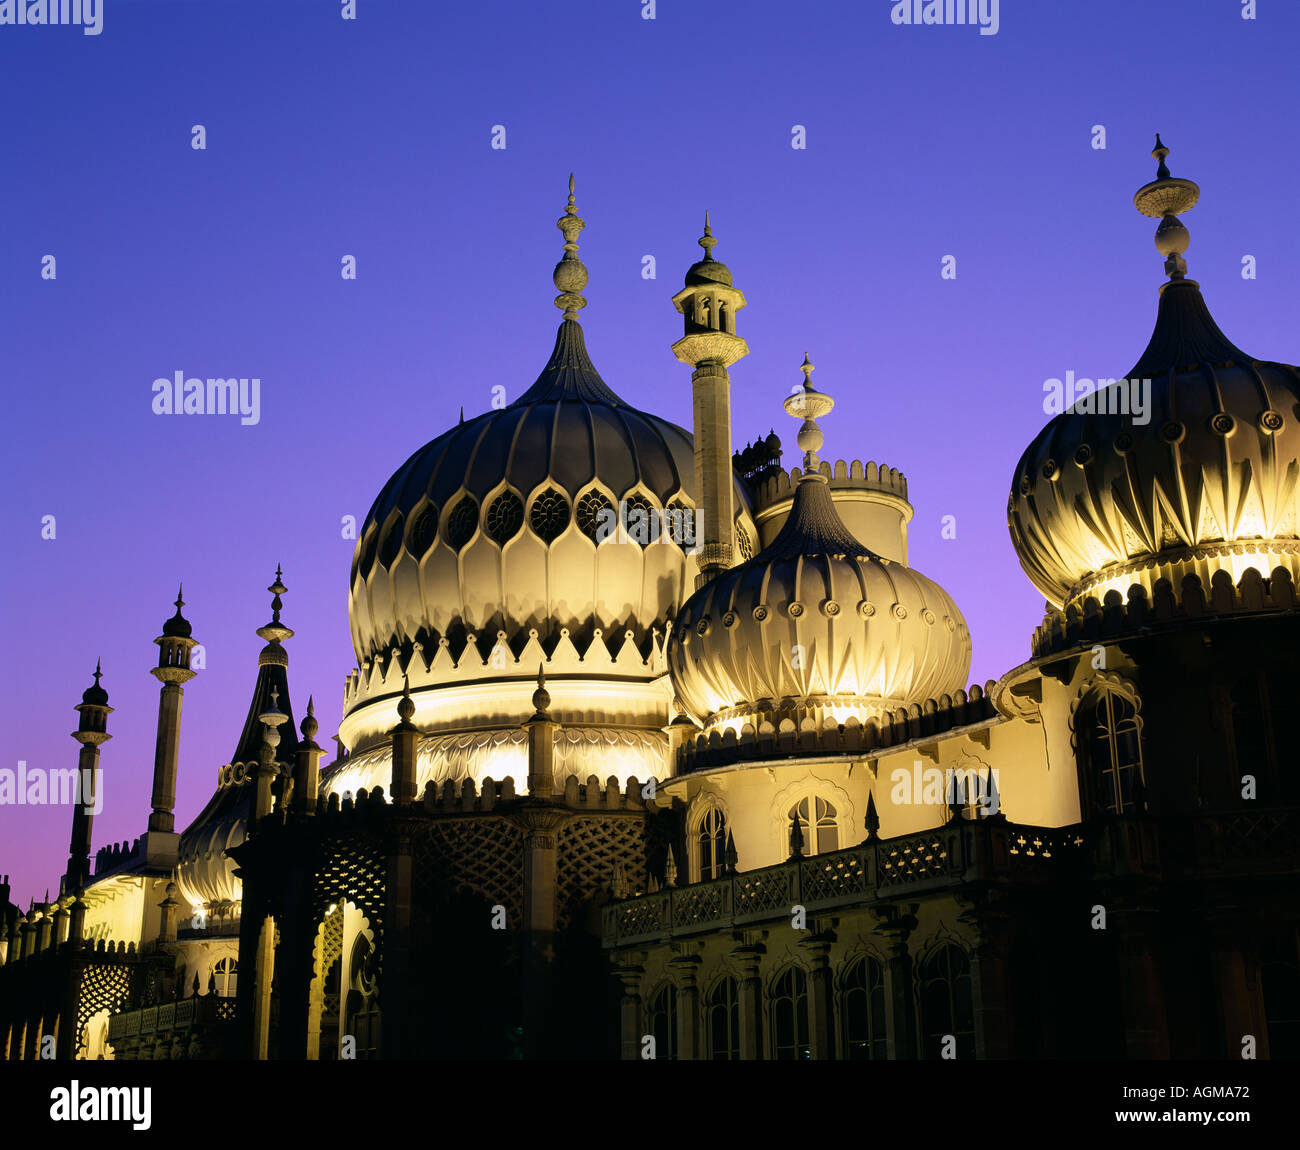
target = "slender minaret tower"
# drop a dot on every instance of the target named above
(708, 304)
(92, 730)
(173, 671)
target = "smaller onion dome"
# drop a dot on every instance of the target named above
(178, 627)
(816, 626)
(95, 695)
(708, 270)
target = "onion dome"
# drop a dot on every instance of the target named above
(816, 626)
(708, 270)
(507, 521)
(178, 627)
(1185, 466)
(205, 874)
(95, 695)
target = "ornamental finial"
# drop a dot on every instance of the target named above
(1165, 199)
(570, 275)
(807, 403)
(707, 240)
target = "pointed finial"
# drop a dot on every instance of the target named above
(462, 413)
(570, 275)
(98, 673)
(1165, 199)
(796, 837)
(180, 597)
(873, 818)
(807, 403)
(406, 706)
(277, 589)
(1158, 153)
(541, 696)
(309, 726)
(707, 240)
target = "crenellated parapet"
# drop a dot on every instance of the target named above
(486, 796)
(870, 497)
(811, 738)
(1113, 617)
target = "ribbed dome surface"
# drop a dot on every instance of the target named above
(1208, 481)
(815, 621)
(492, 525)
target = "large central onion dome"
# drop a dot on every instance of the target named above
(816, 626)
(560, 527)
(1187, 466)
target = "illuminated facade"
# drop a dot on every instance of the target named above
(670, 752)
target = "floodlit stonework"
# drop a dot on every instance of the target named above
(731, 795)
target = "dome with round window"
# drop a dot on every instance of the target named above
(563, 519)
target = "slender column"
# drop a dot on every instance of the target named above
(747, 958)
(897, 925)
(990, 928)
(306, 774)
(821, 996)
(540, 825)
(629, 974)
(405, 737)
(686, 969)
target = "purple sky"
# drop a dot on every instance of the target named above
(329, 137)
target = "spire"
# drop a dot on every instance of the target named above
(1165, 199)
(570, 275)
(707, 240)
(272, 684)
(814, 527)
(1185, 332)
(807, 403)
(541, 696)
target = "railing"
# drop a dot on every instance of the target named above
(968, 851)
(171, 1016)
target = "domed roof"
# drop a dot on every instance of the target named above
(816, 621)
(507, 522)
(95, 695)
(708, 270)
(1186, 466)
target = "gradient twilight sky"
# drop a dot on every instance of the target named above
(371, 137)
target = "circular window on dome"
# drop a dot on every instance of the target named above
(681, 525)
(745, 544)
(505, 516)
(392, 542)
(424, 531)
(550, 515)
(596, 516)
(461, 523)
(641, 521)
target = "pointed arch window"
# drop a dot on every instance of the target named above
(361, 1010)
(1113, 735)
(711, 845)
(863, 991)
(722, 1018)
(663, 1021)
(789, 1008)
(947, 1009)
(817, 823)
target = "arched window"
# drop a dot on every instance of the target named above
(1110, 728)
(225, 974)
(722, 1014)
(946, 1006)
(864, 1011)
(361, 1019)
(711, 845)
(821, 833)
(789, 1007)
(663, 1021)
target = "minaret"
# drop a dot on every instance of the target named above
(708, 304)
(173, 671)
(92, 730)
